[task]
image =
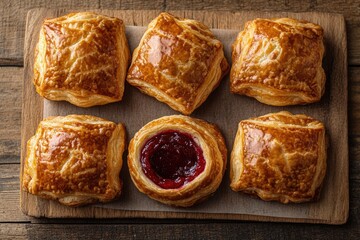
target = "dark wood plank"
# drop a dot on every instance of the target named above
(354, 153)
(13, 14)
(354, 101)
(208, 230)
(13, 231)
(10, 194)
(10, 112)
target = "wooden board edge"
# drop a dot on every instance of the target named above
(346, 133)
(32, 112)
(23, 140)
(94, 212)
(108, 213)
(184, 13)
(105, 213)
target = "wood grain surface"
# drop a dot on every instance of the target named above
(15, 225)
(11, 81)
(134, 115)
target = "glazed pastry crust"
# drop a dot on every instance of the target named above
(82, 58)
(75, 159)
(279, 62)
(279, 157)
(179, 62)
(210, 140)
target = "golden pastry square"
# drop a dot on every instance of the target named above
(280, 157)
(178, 61)
(279, 62)
(82, 58)
(75, 159)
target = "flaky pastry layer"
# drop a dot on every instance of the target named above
(279, 157)
(82, 58)
(279, 62)
(75, 159)
(178, 61)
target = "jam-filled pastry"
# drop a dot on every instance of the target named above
(279, 62)
(279, 157)
(177, 160)
(82, 58)
(75, 159)
(179, 62)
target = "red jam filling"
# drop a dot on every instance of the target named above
(171, 159)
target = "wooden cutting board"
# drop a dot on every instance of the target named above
(222, 108)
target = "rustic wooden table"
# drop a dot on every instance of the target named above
(14, 224)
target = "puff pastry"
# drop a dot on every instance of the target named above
(75, 159)
(82, 58)
(280, 157)
(178, 61)
(177, 160)
(279, 62)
